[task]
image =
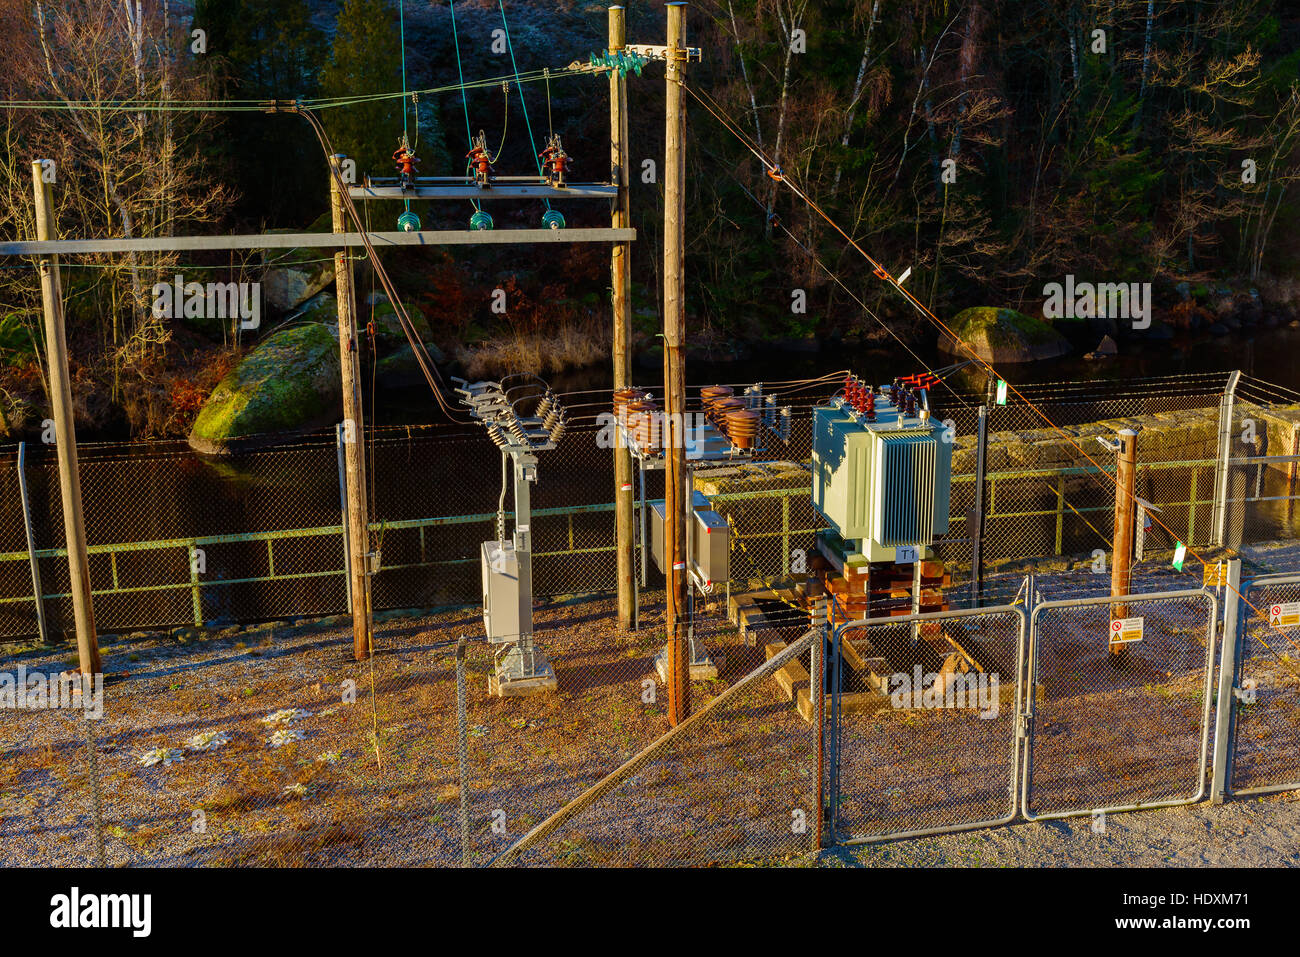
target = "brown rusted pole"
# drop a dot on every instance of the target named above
(354, 459)
(1125, 512)
(65, 432)
(621, 283)
(677, 657)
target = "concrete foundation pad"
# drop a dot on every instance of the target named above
(522, 687)
(704, 670)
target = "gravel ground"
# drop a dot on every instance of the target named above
(303, 776)
(1255, 832)
(375, 782)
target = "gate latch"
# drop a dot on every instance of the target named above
(1024, 721)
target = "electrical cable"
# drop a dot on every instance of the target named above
(778, 175)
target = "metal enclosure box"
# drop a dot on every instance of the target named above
(658, 515)
(500, 592)
(711, 546)
(710, 540)
(884, 483)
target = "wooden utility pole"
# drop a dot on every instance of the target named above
(621, 283)
(677, 658)
(1125, 511)
(65, 433)
(354, 458)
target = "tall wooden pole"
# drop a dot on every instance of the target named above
(354, 458)
(621, 283)
(65, 433)
(677, 660)
(1125, 511)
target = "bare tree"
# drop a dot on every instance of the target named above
(121, 170)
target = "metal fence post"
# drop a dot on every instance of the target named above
(196, 594)
(462, 751)
(1222, 458)
(1232, 622)
(977, 512)
(38, 593)
(343, 512)
(785, 534)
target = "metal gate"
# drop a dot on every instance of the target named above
(923, 723)
(1264, 724)
(1114, 732)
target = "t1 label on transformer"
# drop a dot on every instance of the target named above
(906, 555)
(1126, 629)
(1285, 615)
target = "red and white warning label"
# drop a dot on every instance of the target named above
(1285, 615)
(1126, 629)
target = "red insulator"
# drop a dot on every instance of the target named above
(871, 406)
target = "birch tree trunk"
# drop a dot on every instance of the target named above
(851, 113)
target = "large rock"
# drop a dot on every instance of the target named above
(389, 327)
(1004, 335)
(289, 382)
(294, 276)
(401, 368)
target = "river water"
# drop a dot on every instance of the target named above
(1269, 354)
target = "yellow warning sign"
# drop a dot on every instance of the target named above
(1216, 575)
(1285, 615)
(1126, 629)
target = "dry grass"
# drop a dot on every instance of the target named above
(573, 345)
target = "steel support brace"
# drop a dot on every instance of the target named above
(1221, 470)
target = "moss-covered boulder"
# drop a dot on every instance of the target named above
(389, 326)
(1004, 335)
(289, 382)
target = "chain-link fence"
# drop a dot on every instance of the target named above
(271, 746)
(925, 723)
(1118, 703)
(177, 539)
(1265, 743)
(739, 781)
(259, 749)
(242, 743)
